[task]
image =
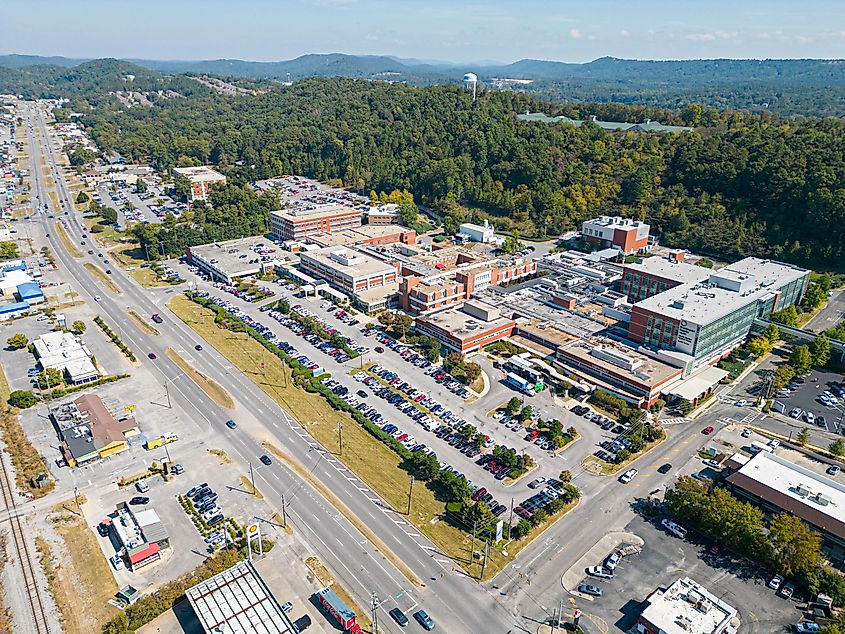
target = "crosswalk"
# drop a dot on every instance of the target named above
(677, 420)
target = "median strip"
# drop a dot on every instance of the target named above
(213, 390)
(142, 323)
(101, 276)
(67, 243)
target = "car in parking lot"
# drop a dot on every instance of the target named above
(592, 590)
(807, 627)
(139, 499)
(676, 529)
(600, 571)
(833, 470)
(715, 464)
(741, 402)
(787, 590)
(774, 582)
(612, 561)
(665, 468)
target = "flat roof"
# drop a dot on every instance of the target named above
(705, 302)
(377, 293)
(357, 234)
(316, 211)
(814, 498)
(632, 364)
(462, 325)
(680, 272)
(360, 264)
(226, 256)
(697, 383)
(686, 607)
(238, 601)
(202, 173)
(616, 222)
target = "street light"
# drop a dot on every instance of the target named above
(167, 391)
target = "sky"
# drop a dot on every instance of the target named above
(449, 30)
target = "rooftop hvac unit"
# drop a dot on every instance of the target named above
(823, 500)
(803, 490)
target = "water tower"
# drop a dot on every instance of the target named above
(471, 81)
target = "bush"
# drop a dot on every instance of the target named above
(607, 401)
(22, 399)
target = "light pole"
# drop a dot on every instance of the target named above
(167, 391)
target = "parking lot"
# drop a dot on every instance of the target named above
(665, 558)
(804, 394)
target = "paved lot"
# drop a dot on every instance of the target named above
(664, 558)
(805, 398)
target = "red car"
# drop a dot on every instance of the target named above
(716, 548)
(707, 430)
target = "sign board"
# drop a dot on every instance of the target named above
(499, 526)
(253, 533)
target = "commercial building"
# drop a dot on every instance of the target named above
(366, 234)
(297, 224)
(237, 601)
(476, 233)
(141, 535)
(88, 431)
(778, 485)
(655, 275)
(468, 328)
(686, 607)
(628, 235)
(62, 351)
(233, 259)
(705, 320)
(15, 309)
(384, 214)
(365, 279)
(30, 292)
(202, 178)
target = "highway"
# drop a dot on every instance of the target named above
(457, 602)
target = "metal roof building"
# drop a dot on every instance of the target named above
(238, 601)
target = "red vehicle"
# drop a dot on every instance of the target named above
(716, 548)
(532, 435)
(477, 495)
(707, 430)
(339, 610)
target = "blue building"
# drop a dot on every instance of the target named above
(30, 292)
(10, 311)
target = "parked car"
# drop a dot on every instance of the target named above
(676, 529)
(666, 468)
(586, 588)
(787, 590)
(600, 571)
(807, 627)
(139, 499)
(774, 582)
(629, 475)
(612, 561)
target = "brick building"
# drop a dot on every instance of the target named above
(297, 224)
(627, 235)
(202, 178)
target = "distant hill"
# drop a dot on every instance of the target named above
(808, 87)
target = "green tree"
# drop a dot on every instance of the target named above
(521, 529)
(108, 215)
(795, 547)
(78, 326)
(513, 405)
(759, 346)
(455, 489)
(433, 351)
(82, 198)
(565, 476)
(707, 263)
(525, 413)
(820, 350)
(141, 186)
(283, 306)
(772, 333)
(51, 378)
(8, 250)
(685, 407)
(571, 492)
(425, 466)
(787, 316)
(409, 214)
(837, 448)
(804, 436)
(801, 359)
(22, 399)
(512, 243)
(17, 341)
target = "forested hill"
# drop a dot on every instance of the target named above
(805, 87)
(738, 185)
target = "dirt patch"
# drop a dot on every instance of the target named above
(221, 455)
(326, 578)
(247, 485)
(214, 390)
(26, 459)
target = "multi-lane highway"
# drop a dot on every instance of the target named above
(458, 603)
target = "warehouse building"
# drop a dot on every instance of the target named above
(237, 601)
(704, 321)
(686, 607)
(62, 351)
(778, 485)
(466, 329)
(31, 293)
(15, 309)
(297, 224)
(201, 178)
(614, 232)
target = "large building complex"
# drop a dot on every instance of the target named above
(232, 259)
(706, 319)
(627, 235)
(466, 329)
(369, 281)
(778, 485)
(654, 275)
(297, 224)
(686, 607)
(201, 178)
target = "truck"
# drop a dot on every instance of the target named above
(339, 610)
(519, 383)
(154, 443)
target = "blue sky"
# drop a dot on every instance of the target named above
(449, 30)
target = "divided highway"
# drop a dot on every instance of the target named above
(457, 603)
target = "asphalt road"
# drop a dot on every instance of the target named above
(458, 603)
(831, 314)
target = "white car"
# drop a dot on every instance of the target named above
(741, 402)
(746, 433)
(810, 417)
(676, 529)
(600, 571)
(713, 463)
(612, 561)
(97, 298)
(629, 475)
(117, 562)
(774, 443)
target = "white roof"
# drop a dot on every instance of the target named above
(686, 607)
(61, 350)
(679, 271)
(699, 382)
(199, 174)
(146, 517)
(237, 601)
(12, 279)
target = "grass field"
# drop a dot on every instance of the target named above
(214, 390)
(54, 199)
(371, 460)
(100, 274)
(82, 583)
(67, 243)
(26, 459)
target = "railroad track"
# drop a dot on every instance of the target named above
(39, 616)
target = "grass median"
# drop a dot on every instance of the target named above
(103, 278)
(375, 463)
(142, 323)
(214, 390)
(67, 243)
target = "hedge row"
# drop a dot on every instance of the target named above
(115, 339)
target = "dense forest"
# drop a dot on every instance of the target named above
(797, 87)
(741, 185)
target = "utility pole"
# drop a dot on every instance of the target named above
(284, 513)
(374, 611)
(252, 477)
(410, 493)
(510, 520)
(486, 554)
(472, 548)
(340, 436)
(167, 394)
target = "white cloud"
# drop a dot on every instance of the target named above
(701, 37)
(625, 33)
(575, 34)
